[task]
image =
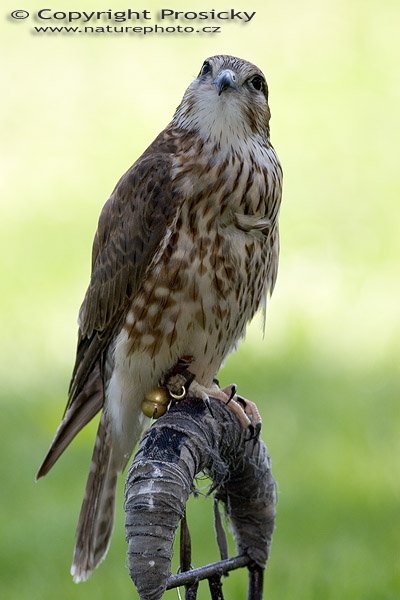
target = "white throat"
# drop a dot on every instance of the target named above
(217, 119)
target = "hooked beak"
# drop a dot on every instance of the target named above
(226, 79)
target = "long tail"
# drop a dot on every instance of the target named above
(96, 519)
(83, 408)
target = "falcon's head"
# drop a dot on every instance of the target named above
(228, 100)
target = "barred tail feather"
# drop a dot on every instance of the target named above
(96, 519)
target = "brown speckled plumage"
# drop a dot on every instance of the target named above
(185, 252)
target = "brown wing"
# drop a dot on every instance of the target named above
(131, 229)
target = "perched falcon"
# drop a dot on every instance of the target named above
(185, 253)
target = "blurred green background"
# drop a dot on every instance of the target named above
(76, 112)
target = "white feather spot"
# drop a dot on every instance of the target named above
(161, 292)
(140, 326)
(130, 319)
(167, 327)
(153, 310)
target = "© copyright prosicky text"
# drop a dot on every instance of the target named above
(121, 16)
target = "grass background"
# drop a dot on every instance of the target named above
(76, 112)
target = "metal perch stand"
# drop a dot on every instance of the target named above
(193, 438)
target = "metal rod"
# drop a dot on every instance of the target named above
(215, 586)
(256, 579)
(191, 592)
(218, 568)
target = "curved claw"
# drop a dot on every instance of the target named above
(254, 431)
(230, 391)
(208, 405)
(257, 430)
(242, 401)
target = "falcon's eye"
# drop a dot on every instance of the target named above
(257, 83)
(206, 68)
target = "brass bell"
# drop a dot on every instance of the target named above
(155, 403)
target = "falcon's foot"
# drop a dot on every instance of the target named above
(245, 410)
(253, 415)
(204, 393)
(180, 381)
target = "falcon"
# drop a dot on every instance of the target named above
(185, 253)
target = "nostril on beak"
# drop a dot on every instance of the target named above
(226, 79)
